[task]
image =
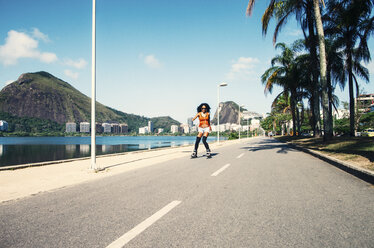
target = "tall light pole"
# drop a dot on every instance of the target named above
(218, 108)
(93, 89)
(240, 106)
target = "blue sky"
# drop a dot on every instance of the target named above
(154, 58)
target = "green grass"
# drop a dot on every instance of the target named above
(356, 149)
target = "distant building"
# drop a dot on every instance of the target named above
(107, 128)
(160, 130)
(193, 129)
(143, 130)
(71, 127)
(99, 128)
(190, 122)
(364, 101)
(185, 128)
(3, 126)
(124, 128)
(84, 127)
(115, 128)
(150, 126)
(255, 124)
(174, 129)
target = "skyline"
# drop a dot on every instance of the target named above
(153, 59)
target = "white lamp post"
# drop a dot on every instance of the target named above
(218, 108)
(93, 89)
(240, 106)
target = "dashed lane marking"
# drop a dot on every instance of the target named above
(127, 237)
(220, 170)
(241, 155)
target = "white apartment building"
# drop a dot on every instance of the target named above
(174, 129)
(71, 127)
(160, 130)
(185, 128)
(107, 128)
(84, 127)
(143, 130)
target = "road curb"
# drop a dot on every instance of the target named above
(363, 174)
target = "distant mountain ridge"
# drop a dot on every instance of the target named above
(44, 96)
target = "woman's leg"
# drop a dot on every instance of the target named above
(198, 138)
(205, 137)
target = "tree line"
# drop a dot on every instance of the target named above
(332, 53)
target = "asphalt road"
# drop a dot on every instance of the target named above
(260, 193)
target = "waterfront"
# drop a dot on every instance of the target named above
(22, 150)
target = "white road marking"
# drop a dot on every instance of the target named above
(220, 170)
(241, 155)
(127, 237)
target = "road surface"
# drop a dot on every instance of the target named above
(258, 193)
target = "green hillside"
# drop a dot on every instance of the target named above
(42, 96)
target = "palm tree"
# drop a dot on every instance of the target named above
(350, 23)
(327, 118)
(284, 72)
(303, 10)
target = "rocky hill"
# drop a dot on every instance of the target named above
(42, 96)
(230, 113)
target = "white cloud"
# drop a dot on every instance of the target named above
(73, 75)
(294, 32)
(78, 64)
(20, 45)
(243, 68)
(39, 35)
(151, 61)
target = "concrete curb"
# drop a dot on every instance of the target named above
(363, 174)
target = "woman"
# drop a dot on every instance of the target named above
(204, 128)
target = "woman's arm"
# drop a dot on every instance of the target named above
(195, 117)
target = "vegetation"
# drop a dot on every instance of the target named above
(40, 104)
(357, 150)
(310, 69)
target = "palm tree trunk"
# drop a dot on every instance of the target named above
(351, 97)
(312, 45)
(293, 111)
(327, 120)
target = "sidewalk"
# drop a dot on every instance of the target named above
(15, 184)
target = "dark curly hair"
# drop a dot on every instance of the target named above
(201, 105)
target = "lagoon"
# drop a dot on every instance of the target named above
(24, 150)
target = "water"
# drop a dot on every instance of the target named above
(23, 150)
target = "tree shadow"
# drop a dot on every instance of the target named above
(269, 145)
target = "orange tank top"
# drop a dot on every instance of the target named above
(204, 120)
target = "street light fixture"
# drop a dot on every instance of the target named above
(218, 108)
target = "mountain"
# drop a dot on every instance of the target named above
(41, 95)
(230, 113)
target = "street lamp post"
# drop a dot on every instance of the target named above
(218, 108)
(93, 89)
(247, 127)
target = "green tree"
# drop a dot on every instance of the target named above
(350, 23)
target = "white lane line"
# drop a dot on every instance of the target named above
(220, 170)
(124, 239)
(241, 155)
